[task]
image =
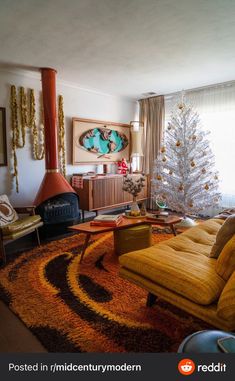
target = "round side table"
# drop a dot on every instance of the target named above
(203, 342)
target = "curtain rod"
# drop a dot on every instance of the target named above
(216, 85)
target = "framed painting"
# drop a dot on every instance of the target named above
(97, 141)
(3, 142)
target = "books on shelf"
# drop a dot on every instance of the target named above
(107, 220)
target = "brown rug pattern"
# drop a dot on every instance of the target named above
(88, 307)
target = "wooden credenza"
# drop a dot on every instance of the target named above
(105, 192)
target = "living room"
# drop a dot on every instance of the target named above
(128, 74)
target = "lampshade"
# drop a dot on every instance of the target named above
(136, 139)
(136, 143)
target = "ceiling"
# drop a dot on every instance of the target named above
(122, 47)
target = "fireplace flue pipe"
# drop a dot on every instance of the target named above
(53, 182)
(49, 107)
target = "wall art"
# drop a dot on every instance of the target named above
(98, 141)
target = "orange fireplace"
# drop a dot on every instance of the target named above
(55, 191)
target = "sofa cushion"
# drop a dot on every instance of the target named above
(7, 212)
(19, 225)
(225, 264)
(226, 304)
(189, 274)
(226, 232)
(197, 240)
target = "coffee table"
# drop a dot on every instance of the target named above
(126, 223)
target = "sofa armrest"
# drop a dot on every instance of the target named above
(25, 210)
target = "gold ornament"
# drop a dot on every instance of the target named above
(159, 177)
(181, 106)
(194, 137)
(61, 136)
(192, 163)
(38, 147)
(206, 187)
(163, 149)
(191, 204)
(164, 158)
(178, 143)
(170, 172)
(181, 188)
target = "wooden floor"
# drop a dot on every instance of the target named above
(14, 336)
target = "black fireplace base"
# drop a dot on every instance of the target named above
(60, 209)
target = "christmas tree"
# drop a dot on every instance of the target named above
(184, 176)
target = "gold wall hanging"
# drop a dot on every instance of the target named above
(15, 133)
(61, 136)
(27, 117)
(38, 133)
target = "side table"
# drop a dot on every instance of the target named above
(203, 342)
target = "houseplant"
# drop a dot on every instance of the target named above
(134, 187)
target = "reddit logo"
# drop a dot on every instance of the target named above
(186, 367)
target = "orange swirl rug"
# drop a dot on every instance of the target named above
(88, 308)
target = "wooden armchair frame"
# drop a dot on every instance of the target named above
(29, 210)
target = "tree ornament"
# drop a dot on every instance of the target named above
(178, 143)
(164, 158)
(194, 137)
(170, 172)
(163, 150)
(192, 163)
(206, 187)
(159, 178)
(181, 106)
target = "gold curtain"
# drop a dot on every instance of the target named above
(152, 114)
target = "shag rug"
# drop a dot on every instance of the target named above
(88, 308)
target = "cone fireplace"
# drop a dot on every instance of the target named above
(56, 200)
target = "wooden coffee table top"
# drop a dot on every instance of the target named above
(126, 223)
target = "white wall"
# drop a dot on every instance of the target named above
(77, 103)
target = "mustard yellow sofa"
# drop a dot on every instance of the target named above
(180, 271)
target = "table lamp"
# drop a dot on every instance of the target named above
(137, 129)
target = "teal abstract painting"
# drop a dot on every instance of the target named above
(103, 141)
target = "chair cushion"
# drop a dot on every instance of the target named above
(19, 225)
(226, 232)
(7, 212)
(226, 304)
(225, 264)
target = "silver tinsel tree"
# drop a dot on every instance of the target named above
(183, 175)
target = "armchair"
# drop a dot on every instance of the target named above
(26, 224)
